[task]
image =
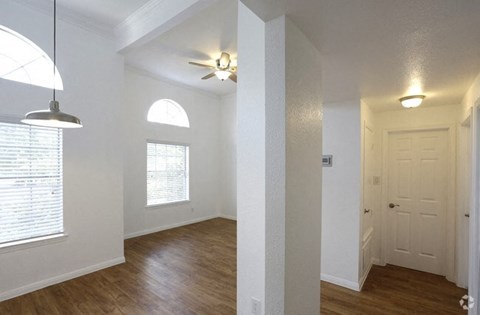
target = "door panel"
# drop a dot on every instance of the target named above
(368, 173)
(417, 183)
(402, 237)
(368, 199)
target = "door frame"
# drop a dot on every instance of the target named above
(450, 217)
(465, 138)
(474, 252)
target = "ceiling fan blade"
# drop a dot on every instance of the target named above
(200, 65)
(233, 77)
(208, 76)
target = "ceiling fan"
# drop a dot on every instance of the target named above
(224, 68)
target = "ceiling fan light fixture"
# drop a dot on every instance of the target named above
(223, 74)
(412, 101)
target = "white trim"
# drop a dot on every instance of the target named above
(228, 217)
(168, 204)
(60, 278)
(340, 282)
(175, 203)
(376, 261)
(365, 276)
(167, 227)
(153, 19)
(451, 207)
(474, 240)
(32, 242)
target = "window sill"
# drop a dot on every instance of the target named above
(168, 204)
(33, 242)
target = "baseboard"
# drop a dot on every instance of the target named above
(168, 227)
(341, 282)
(57, 279)
(362, 280)
(228, 217)
(376, 261)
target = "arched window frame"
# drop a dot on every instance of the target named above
(21, 60)
(168, 112)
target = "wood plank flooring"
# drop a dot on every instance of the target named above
(394, 290)
(192, 270)
(187, 270)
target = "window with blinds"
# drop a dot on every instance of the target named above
(31, 189)
(167, 173)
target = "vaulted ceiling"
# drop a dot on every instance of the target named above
(376, 50)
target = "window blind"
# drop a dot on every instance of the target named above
(31, 187)
(167, 173)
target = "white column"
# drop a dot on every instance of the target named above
(278, 167)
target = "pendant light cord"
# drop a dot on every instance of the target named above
(54, 46)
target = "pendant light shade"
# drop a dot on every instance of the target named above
(53, 117)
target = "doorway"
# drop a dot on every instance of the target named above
(418, 200)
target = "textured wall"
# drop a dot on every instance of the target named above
(250, 160)
(228, 155)
(279, 116)
(341, 194)
(303, 173)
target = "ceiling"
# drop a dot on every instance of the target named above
(109, 12)
(380, 50)
(201, 39)
(376, 50)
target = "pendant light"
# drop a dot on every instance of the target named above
(53, 117)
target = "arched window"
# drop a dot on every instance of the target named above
(23, 61)
(168, 112)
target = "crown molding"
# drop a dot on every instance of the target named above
(70, 16)
(141, 14)
(153, 19)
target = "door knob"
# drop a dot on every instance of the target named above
(467, 215)
(392, 205)
(366, 210)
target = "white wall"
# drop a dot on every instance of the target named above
(303, 119)
(203, 137)
(471, 97)
(417, 117)
(470, 101)
(279, 116)
(93, 171)
(228, 154)
(251, 161)
(341, 194)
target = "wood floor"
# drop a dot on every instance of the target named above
(394, 290)
(192, 270)
(187, 270)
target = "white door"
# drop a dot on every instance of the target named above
(368, 173)
(368, 198)
(464, 169)
(417, 188)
